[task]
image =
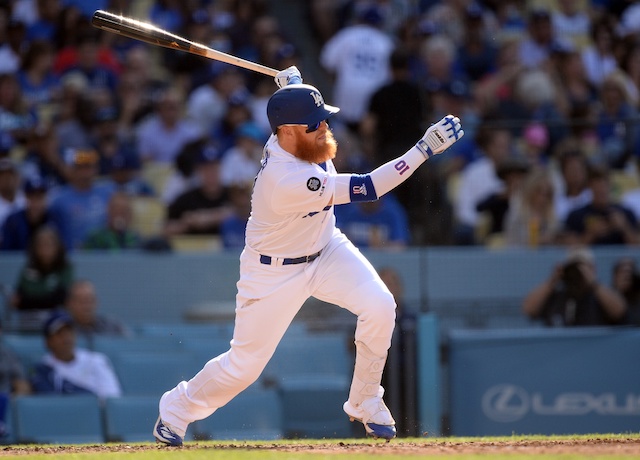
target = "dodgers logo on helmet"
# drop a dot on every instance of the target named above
(298, 104)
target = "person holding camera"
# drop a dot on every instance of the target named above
(572, 296)
(626, 281)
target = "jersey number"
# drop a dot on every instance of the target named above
(402, 167)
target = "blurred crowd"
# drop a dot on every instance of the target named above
(116, 144)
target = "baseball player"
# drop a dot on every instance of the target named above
(293, 250)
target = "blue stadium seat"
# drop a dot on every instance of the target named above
(57, 419)
(131, 419)
(29, 348)
(313, 354)
(255, 414)
(181, 330)
(312, 407)
(152, 373)
(112, 346)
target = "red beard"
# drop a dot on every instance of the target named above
(309, 149)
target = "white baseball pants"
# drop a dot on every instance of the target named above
(269, 296)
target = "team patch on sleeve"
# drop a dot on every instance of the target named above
(313, 184)
(361, 188)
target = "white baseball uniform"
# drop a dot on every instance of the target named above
(293, 251)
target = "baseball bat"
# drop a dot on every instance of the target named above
(149, 33)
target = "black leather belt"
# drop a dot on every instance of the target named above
(298, 260)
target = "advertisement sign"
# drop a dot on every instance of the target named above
(544, 381)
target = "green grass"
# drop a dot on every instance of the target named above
(600, 447)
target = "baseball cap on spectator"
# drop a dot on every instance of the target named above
(80, 157)
(56, 322)
(474, 11)
(370, 14)
(35, 185)
(512, 164)
(209, 154)
(238, 98)
(106, 114)
(539, 14)
(579, 254)
(125, 161)
(251, 130)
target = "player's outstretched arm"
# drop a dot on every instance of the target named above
(369, 187)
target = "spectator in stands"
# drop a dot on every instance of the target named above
(477, 53)
(573, 190)
(67, 369)
(631, 197)
(357, 56)
(238, 113)
(539, 39)
(603, 221)
(117, 234)
(512, 171)
(598, 57)
(43, 282)
(572, 22)
(616, 126)
(44, 26)
(37, 81)
(44, 159)
(11, 197)
(12, 46)
(125, 173)
(88, 63)
(82, 305)
(241, 162)
(13, 382)
(626, 281)
(531, 220)
(400, 369)
(396, 112)
(201, 210)
(572, 295)
(207, 103)
(75, 113)
(479, 180)
(82, 204)
(17, 120)
(381, 224)
(233, 227)
(163, 134)
(22, 224)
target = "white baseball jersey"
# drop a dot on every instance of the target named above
(359, 56)
(291, 215)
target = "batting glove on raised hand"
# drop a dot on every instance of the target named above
(288, 76)
(441, 136)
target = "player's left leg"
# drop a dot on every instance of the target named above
(344, 277)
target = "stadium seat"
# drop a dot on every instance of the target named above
(112, 346)
(152, 373)
(148, 216)
(312, 407)
(130, 418)
(323, 354)
(254, 414)
(56, 419)
(28, 348)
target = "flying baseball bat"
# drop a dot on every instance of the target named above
(149, 33)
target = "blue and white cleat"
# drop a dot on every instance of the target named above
(374, 414)
(166, 435)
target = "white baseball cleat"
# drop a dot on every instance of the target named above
(166, 435)
(374, 414)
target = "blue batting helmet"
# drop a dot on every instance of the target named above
(298, 104)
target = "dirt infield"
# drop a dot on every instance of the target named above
(619, 446)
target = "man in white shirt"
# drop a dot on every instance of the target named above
(358, 56)
(66, 369)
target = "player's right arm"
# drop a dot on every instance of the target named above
(369, 187)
